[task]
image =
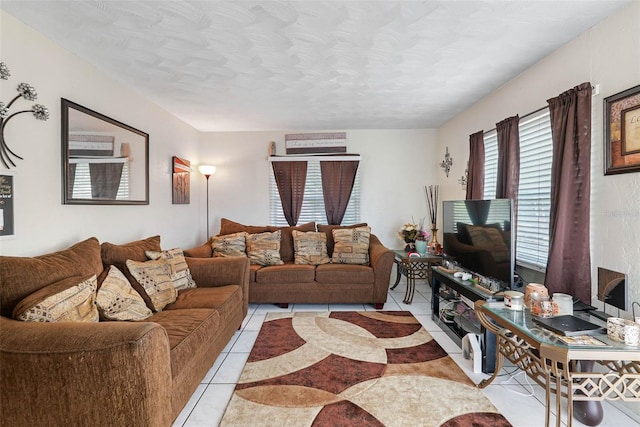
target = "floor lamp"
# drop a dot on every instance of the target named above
(207, 171)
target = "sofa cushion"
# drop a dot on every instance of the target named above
(155, 279)
(225, 299)
(328, 230)
(188, 331)
(230, 227)
(180, 273)
(287, 273)
(69, 300)
(351, 245)
(310, 247)
(264, 248)
(117, 300)
(229, 245)
(22, 276)
(344, 273)
(253, 268)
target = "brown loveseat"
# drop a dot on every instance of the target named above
(137, 373)
(298, 283)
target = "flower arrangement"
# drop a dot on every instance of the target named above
(40, 112)
(408, 232)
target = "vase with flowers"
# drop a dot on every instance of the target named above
(408, 234)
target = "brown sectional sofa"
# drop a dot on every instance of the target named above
(138, 373)
(326, 283)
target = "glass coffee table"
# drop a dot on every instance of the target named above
(565, 370)
(413, 267)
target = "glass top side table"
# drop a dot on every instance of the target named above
(413, 267)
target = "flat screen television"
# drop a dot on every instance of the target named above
(477, 235)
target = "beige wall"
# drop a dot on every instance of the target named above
(42, 223)
(607, 55)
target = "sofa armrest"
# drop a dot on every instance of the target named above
(211, 272)
(106, 373)
(202, 251)
(381, 259)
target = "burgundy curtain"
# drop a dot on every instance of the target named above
(337, 183)
(508, 159)
(569, 264)
(105, 180)
(290, 179)
(475, 183)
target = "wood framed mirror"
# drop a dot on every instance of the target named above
(104, 161)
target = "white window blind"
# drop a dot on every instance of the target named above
(82, 182)
(534, 190)
(313, 201)
(490, 164)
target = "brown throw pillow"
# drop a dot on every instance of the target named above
(117, 300)
(328, 230)
(264, 248)
(155, 279)
(351, 245)
(180, 273)
(310, 247)
(229, 245)
(69, 300)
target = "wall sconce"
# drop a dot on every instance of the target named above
(207, 171)
(464, 179)
(447, 162)
(39, 111)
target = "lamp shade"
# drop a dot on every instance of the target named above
(207, 170)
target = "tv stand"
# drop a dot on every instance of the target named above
(460, 294)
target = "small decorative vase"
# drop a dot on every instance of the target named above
(433, 244)
(421, 246)
(410, 245)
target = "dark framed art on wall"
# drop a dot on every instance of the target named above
(622, 132)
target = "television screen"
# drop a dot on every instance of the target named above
(477, 235)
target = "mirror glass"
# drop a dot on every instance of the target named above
(103, 161)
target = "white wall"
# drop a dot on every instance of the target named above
(609, 55)
(42, 223)
(395, 167)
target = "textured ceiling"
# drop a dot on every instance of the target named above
(260, 65)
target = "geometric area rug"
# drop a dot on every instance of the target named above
(367, 368)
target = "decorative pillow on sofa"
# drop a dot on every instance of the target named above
(264, 248)
(328, 230)
(69, 300)
(180, 273)
(155, 279)
(351, 245)
(310, 247)
(117, 300)
(490, 238)
(229, 245)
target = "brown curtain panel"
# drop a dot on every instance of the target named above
(105, 180)
(290, 179)
(475, 183)
(337, 184)
(71, 179)
(508, 159)
(569, 264)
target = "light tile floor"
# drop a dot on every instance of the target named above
(519, 400)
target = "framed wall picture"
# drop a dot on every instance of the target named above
(622, 132)
(6, 206)
(181, 179)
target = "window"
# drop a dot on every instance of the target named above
(490, 164)
(534, 190)
(82, 183)
(313, 201)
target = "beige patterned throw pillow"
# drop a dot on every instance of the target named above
(351, 245)
(180, 273)
(70, 300)
(229, 245)
(155, 279)
(117, 300)
(264, 248)
(310, 247)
